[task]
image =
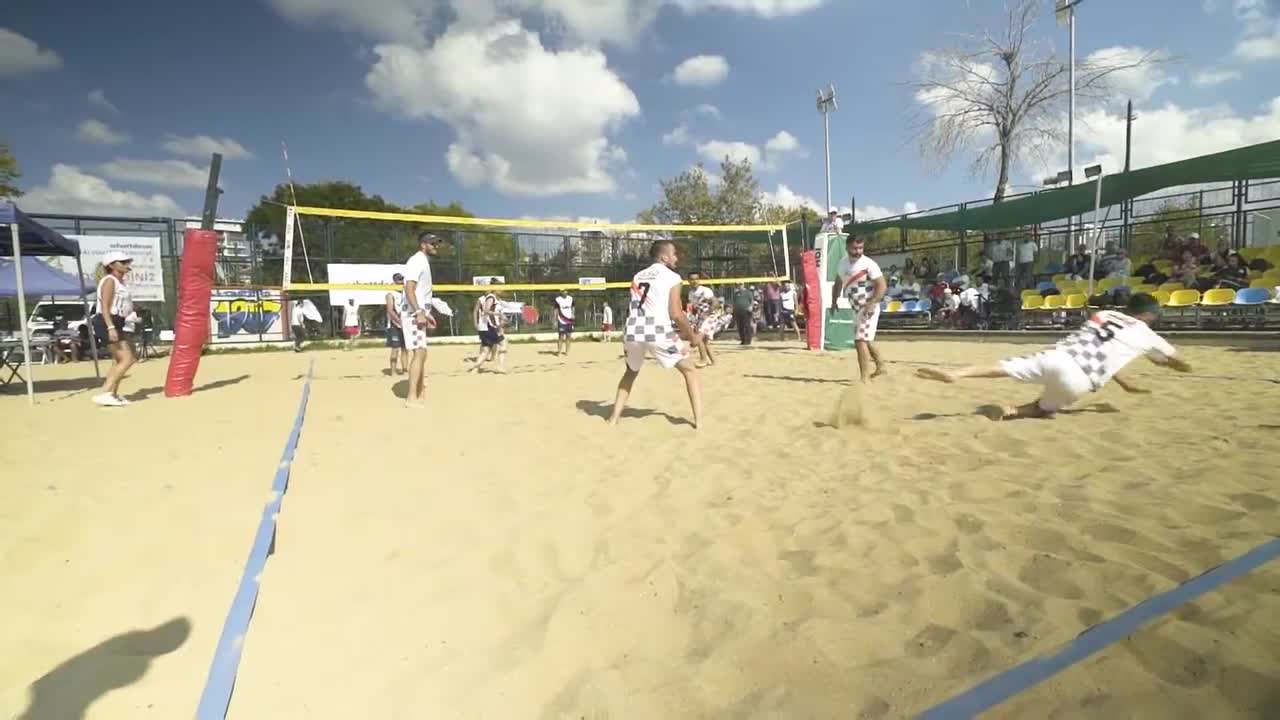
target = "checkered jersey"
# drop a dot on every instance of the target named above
(1110, 340)
(857, 279)
(649, 318)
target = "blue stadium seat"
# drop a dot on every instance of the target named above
(1045, 285)
(1053, 268)
(1252, 296)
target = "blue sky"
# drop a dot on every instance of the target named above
(517, 110)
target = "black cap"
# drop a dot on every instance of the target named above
(1141, 303)
(430, 238)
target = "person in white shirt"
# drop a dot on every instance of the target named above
(351, 322)
(114, 305)
(489, 321)
(415, 313)
(395, 334)
(1082, 362)
(862, 284)
(834, 223)
(787, 318)
(655, 324)
(1026, 262)
(702, 300)
(606, 321)
(564, 322)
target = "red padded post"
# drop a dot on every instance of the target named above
(814, 312)
(191, 324)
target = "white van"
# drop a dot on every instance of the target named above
(49, 310)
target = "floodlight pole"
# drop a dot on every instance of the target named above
(827, 105)
(1069, 7)
(1097, 230)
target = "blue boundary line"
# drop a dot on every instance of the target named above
(216, 697)
(1022, 677)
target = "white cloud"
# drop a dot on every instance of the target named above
(1138, 83)
(707, 109)
(97, 132)
(71, 190)
(877, 212)
(202, 146)
(529, 121)
(1260, 26)
(593, 21)
(715, 151)
(783, 142)
(701, 71)
(1210, 78)
(788, 198)
(98, 98)
(1173, 133)
(679, 135)
(166, 173)
(19, 55)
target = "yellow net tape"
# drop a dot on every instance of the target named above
(523, 287)
(510, 223)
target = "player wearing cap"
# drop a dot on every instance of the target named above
(655, 324)
(1083, 361)
(415, 313)
(489, 319)
(395, 333)
(111, 324)
(863, 285)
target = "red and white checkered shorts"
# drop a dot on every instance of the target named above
(865, 323)
(415, 338)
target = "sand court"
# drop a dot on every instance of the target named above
(503, 553)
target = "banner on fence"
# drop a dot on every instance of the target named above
(245, 316)
(146, 279)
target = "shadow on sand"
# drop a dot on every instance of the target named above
(68, 690)
(603, 410)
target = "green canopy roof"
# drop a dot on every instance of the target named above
(1246, 163)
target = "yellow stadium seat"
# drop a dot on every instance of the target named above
(1218, 296)
(1060, 277)
(1161, 296)
(1055, 302)
(1076, 301)
(1263, 283)
(1067, 287)
(1032, 302)
(895, 306)
(1183, 298)
(1172, 287)
(1161, 265)
(1134, 281)
(1029, 293)
(1272, 274)
(1107, 284)
(1145, 288)
(1250, 253)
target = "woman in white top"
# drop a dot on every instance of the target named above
(114, 306)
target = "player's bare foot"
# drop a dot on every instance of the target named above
(880, 370)
(997, 413)
(414, 404)
(936, 374)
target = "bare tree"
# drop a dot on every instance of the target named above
(1005, 96)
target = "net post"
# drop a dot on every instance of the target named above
(286, 276)
(786, 253)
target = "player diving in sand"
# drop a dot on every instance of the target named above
(1082, 362)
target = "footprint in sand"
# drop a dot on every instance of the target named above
(1048, 574)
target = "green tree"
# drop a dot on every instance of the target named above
(9, 173)
(689, 199)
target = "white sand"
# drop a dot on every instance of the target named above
(504, 554)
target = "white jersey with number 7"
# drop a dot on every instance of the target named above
(650, 311)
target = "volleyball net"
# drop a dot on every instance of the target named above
(333, 256)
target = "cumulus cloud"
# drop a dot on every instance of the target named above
(98, 98)
(166, 173)
(73, 191)
(679, 135)
(783, 142)
(97, 132)
(1172, 132)
(202, 146)
(707, 109)
(1210, 78)
(1138, 83)
(20, 55)
(529, 121)
(701, 71)
(878, 212)
(785, 197)
(775, 150)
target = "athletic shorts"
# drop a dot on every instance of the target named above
(667, 353)
(865, 322)
(566, 329)
(787, 316)
(351, 331)
(489, 338)
(606, 327)
(100, 329)
(415, 338)
(1062, 379)
(395, 337)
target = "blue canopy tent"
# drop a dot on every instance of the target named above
(38, 278)
(27, 235)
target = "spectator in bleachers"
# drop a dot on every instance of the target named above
(1077, 265)
(986, 266)
(1171, 246)
(1197, 248)
(895, 288)
(1027, 250)
(925, 268)
(1218, 259)
(1186, 270)
(937, 292)
(1235, 275)
(910, 288)
(1119, 265)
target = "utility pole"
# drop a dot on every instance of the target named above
(1128, 133)
(826, 106)
(1065, 10)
